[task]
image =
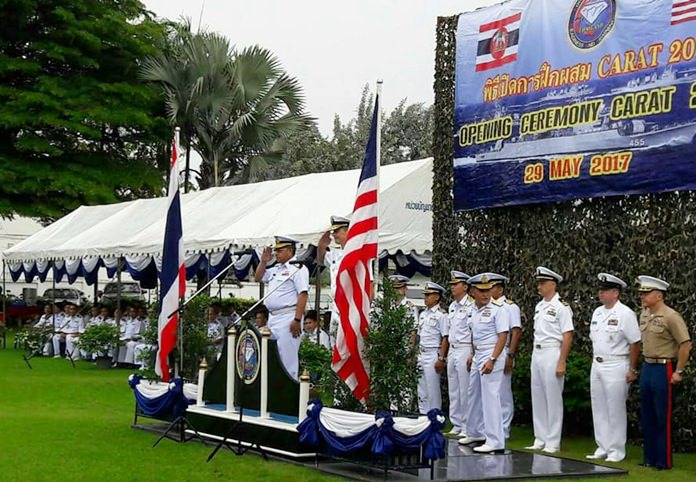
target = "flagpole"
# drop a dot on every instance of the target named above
(375, 263)
(180, 328)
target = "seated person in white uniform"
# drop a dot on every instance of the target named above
(58, 338)
(74, 326)
(46, 323)
(139, 325)
(312, 331)
(216, 329)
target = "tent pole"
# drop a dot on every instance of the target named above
(4, 294)
(53, 284)
(96, 289)
(317, 297)
(119, 267)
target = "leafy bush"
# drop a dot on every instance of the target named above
(99, 339)
(32, 339)
(391, 356)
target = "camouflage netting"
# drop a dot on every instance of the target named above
(627, 236)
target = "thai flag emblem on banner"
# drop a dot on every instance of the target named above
(683, 11)
(497, 42)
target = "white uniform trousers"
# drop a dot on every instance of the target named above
(288, 346)
(507, 402)
(429, 381)
(71, 348)
(121, 351)
(485, 416)
(458, 385)
(57, 339)
(547, 397)
(608, 391)
(130, 351)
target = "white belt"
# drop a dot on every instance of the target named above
(539, 346)
(429, 348)
(603, 358)
(460, 345)
(481, 347)
(280, 311)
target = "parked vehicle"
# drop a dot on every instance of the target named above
(129, 291)
(64, 294)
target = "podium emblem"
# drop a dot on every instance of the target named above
(248, 356)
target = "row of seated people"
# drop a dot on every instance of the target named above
(67, 324)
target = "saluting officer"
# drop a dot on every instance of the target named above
(615, 351)
(432, 335)
(489, 327)
(666, 347)
(331, 258)
(459, 351)
(553, 336)
(513, 341)
(400, 284)
(288, 282)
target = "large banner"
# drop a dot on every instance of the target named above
(563, 99)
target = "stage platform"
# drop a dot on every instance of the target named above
(462, 464)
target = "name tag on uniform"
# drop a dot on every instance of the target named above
(593, 323)
(285, 273)
(486, 313)
(551, 312)
(613, 322)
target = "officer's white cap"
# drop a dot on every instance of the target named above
(398, 280)
(496, 278)
(458, 277)
(650, 283)
(545, 273)
(339, 222)
(609, 281)
(431, 287)
(283, 241)
(481, 281)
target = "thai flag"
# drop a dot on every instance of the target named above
(354, 278)
(497, 42)
(683, 11)
(173, 275)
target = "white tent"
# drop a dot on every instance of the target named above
(222, 220)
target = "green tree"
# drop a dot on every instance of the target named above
(76, 126)
(407, 133)
(237, 108)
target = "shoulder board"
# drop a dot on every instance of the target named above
(470, 298)
(563, 302)
(442, 310)
(409, 303)
(497, 303)
(297, 264)
(509, 301)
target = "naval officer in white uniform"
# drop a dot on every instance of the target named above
(489, 327)
(331, 258)
(432, 331)
(288, 284)
(459, 341)
(615, 339)
(513, 341)
(553, 336)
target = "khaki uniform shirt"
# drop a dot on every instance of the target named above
(662, 332)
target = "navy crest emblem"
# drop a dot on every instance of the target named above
(248, 357)
(590, 22)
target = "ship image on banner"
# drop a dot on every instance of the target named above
(594, 103)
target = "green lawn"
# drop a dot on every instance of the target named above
(60, 423)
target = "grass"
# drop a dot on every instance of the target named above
(60, 423)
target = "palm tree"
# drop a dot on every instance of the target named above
(235, 108)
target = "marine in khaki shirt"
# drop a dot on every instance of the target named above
(666, 348)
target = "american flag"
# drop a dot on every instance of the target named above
(173, 275)
(683, 11)
(353, 278)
